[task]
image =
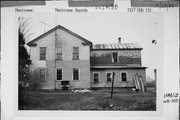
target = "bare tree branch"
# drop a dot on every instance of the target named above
(24, 26)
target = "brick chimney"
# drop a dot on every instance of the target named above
(119, 39)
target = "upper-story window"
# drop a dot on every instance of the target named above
(42, 53)
(114, 57)
(59, 53)
(75, 53)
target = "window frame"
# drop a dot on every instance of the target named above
(59, 52)
(41, 72)
(106, 77)
(113, 57)
(61, 74)
(78, 74)
(75, 53)
(121, 76)
(40, 54)
(98, 77)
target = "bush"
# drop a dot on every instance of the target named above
(35, 81)
(31, 81)
(23, 94)
(23, 85)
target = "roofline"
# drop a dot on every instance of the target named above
(116, 67)
(31, 43)
(119, 49)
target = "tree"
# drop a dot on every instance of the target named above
(24, 62)
(24, 58)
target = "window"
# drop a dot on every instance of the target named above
(59, 74)
(75, 53)
(96, 77)
(109, 76)
(114, 57)
(59, 53)
(43, 74)
(123, 76)
(75, 74)
(42, 53)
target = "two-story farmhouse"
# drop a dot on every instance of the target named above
(62, 55)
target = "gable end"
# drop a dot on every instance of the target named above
(86, 42)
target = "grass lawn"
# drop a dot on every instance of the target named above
(95, 100)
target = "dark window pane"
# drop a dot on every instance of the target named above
(115, 57)
(109, 77)
(59, 74)
(96, 77)
(59, 53)
(75, 53)
(75, 74)
(42, 53)
(123, 76)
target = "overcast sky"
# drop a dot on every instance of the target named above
(106, 28)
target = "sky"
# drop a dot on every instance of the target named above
(106, 28)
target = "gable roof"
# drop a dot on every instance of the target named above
(32, 43)
(117, 46)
